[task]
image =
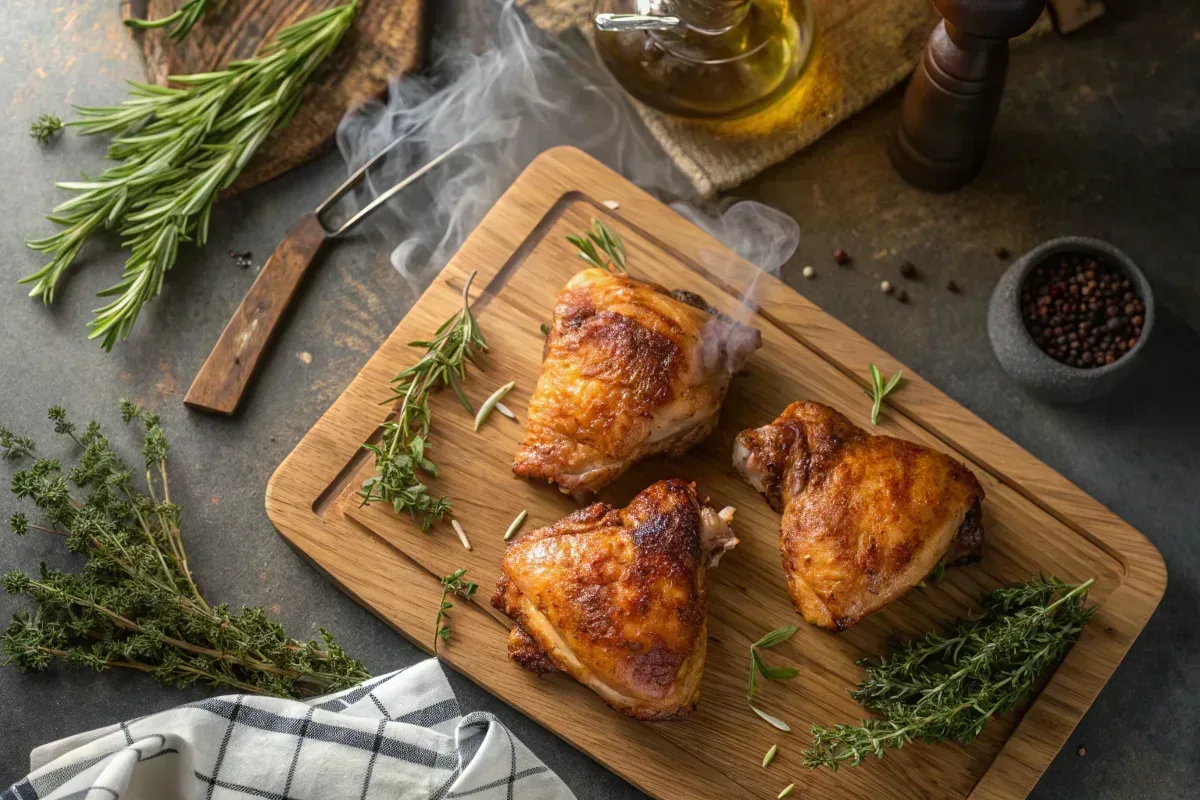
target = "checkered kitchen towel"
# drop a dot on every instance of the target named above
(399, 736)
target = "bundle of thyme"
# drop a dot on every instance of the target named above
(948, 685)
(136, 604)
(181, 22)
(178, 148)
(400, 454)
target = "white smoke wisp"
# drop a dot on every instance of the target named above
(759, 234)
(522, 95)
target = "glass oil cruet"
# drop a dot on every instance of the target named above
(704, 58)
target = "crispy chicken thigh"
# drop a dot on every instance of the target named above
(865, 518)
(630, 370)
(617, 598)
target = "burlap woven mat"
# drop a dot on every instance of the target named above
(862, 49)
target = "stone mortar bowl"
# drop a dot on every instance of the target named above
(1020, 356)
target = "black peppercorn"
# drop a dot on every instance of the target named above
(1081, 311)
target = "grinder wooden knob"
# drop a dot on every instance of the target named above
(952, 99)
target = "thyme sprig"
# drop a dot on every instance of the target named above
(601, 239)
(880, 390)
(178, 148)
(45, 126)
(759, 667)
(400, 454)
(136, 603)
(948, 685)
(181, 21)
(452, 585)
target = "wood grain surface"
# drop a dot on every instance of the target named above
(222, 380)
(1035, 519)
(387, 40)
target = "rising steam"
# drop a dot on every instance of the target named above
(524, 94)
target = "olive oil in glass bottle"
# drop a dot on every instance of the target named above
(704, 58)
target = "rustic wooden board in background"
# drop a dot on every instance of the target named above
(387, 40)
(1035, 519)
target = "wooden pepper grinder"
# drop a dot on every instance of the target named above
(952, 99)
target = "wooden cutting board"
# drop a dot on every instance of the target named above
(387, 40)
(1035, 519)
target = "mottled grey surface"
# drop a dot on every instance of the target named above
(1098, 136)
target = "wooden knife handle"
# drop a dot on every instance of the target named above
(222, 380)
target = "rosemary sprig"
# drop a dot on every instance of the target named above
(601, 239)
(880, 390)
(181, 21)
(948, 685)
(136, 603)
(400, 454)
(45, 126)
(758, 667)
(453, 584)
(178, 148)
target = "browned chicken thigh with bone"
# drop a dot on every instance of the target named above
(865, 518)
(630, 370)
(618, 598)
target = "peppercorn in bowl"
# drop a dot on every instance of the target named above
(1068, 319)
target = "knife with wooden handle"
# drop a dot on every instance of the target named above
(221, 382)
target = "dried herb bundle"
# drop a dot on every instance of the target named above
(947, 685)
(178, 149)
(135, 604)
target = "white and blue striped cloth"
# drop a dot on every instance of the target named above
(398, 736)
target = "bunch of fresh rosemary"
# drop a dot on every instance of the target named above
(136, 604)
(178, 148)
(400, 454)
(947, 686)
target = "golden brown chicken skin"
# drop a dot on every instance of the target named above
(865, 518)
(617, 598)
(630, 370)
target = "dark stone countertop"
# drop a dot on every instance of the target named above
(1098, 135)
